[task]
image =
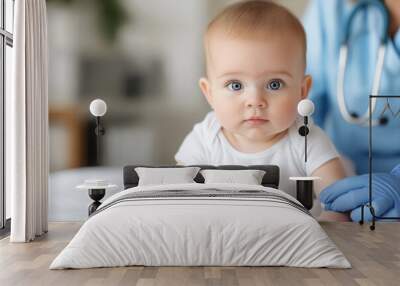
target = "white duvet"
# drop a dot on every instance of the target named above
(200, 231)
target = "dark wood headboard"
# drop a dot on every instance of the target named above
(270, 179)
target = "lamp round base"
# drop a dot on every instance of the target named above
(305, 190)
(96, 195)
(304, 193)
(93, 207)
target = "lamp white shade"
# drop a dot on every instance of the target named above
(305, 107)
(98, 107)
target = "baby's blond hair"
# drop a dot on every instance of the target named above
(256, 20)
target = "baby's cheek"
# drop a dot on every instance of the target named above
(227, 113)
(227, 104)
(285, 112)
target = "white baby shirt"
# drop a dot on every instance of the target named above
(207, 145)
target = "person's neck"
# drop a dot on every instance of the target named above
(393, 7)
(245, 145)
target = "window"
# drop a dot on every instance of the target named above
(6, 44)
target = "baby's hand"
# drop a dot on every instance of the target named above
(333, 216)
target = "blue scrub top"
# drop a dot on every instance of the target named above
(324, 23)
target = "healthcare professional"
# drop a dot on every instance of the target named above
(341, 96)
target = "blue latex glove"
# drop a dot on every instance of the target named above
(349, 194)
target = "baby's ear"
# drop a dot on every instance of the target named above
(306, 86)
(206, 90)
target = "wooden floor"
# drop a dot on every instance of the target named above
(375, 257)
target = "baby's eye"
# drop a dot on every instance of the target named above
(275, 84)
(234, 86)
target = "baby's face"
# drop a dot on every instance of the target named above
(254, 86)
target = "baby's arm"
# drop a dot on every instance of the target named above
(192, 150)
(330, 172)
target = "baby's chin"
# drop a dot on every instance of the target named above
(261, 135)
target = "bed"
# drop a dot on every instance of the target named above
(201, 224)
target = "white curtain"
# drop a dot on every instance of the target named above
(27, 123)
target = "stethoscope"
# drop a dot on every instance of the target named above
(354, 118)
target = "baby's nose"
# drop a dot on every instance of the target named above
(256, 100)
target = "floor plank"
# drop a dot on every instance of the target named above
(374, 255)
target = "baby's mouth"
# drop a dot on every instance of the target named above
(256, 120)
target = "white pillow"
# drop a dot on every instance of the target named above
(248, 177)
(162, 176)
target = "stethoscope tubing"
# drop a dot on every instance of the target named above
(343, 55)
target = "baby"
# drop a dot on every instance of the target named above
(256, 58)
